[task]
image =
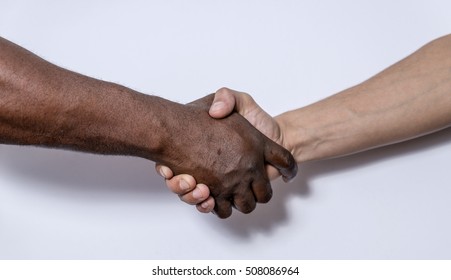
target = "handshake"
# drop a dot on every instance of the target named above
(45, 105)
(228, 143)
(225, 142)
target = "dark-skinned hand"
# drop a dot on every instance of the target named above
(228, 155)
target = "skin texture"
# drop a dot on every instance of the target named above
(44, 105)
(228, 100)
(226, 144)
(409, 99)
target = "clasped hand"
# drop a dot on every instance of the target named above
(229, 155)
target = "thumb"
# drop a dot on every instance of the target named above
(281, 159)
(223, 103)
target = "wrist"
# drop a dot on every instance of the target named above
(117, 120)
(299, 134)
(145, 126)
(289, 135)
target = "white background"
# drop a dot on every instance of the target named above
(393, 202)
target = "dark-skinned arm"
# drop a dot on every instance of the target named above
(44, 105)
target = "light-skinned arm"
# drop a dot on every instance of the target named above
(408, 99)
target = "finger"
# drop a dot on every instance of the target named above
(245, 202)
(227, 100)
(181, 184)
(272, 172)
(281, 159)
(206, 206)
(199, 194)
(223, 208)
(223, 103)
(164, 171)
(262, 190)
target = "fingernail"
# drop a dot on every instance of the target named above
(197, 193)
(216, 106)
(204, 205)
(162, 173)
(184, 185)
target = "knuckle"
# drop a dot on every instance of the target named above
(247, 97)
(223, 90)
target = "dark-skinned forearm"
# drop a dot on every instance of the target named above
(42, 104)
(45, 105)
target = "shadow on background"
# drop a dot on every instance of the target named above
(59, 171)
(90, 176)
(267, 217)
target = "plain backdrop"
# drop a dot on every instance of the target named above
(388, 203)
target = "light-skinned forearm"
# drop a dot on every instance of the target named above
(407, 100)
